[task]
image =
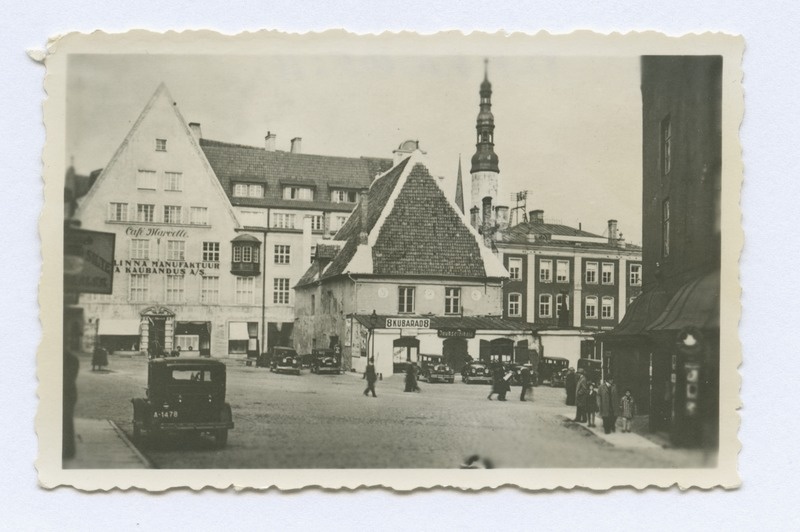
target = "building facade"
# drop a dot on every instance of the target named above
(407, 276)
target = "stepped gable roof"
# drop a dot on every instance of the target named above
(413, 229)
(237, 163)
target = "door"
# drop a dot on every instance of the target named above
(156, 335)
(455, 353)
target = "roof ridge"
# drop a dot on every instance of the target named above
(212, 143)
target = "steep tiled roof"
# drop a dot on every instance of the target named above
(236, 163)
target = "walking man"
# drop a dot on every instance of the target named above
(371, 377)
(609, 404)
(526, 382)
(581, 389)
(569, 386)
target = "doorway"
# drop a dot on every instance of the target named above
(405, 351)
(455, 353)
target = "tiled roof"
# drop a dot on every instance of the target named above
(519, 234)
(236, 163)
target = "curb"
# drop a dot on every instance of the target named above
(142, 458)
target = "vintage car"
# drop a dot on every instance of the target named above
(284, 360)
(591, 368)
(479, 372)
(433, 369)
(516, 373)
(325, 361)
(559, 379)
(183, 395)
(550, 369)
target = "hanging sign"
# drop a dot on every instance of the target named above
(455, 333)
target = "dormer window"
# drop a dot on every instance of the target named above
(245, 254)
(161, 144)
(344, 196)
(245, 190)
(298, 193)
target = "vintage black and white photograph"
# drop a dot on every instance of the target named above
(457, 258)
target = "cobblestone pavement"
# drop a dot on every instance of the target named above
(324, 421)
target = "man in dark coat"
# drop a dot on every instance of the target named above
(609, 404)
(569, 385)
(526, 382)
(581, 389)
(371, 377)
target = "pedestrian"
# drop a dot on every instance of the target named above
(498, 385)
(526, 382)
(591, 404)
(411, 379)
(99, 357)
(581, 389)
(371, 378)
(627, 409)
(609, 404)
(505, 383)
(569, 385)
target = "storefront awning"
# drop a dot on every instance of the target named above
(237, 330)
(695, 304)
(645, 308)
(109, 327)
(478, 323)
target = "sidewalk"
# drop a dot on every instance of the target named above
(100, 444)
(621, 440)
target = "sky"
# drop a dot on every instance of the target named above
(567, 129)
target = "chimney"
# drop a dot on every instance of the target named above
(197, 133)
(297, 145)
(612, 232)
(475, 217)
(536, 216)
(487, 212)
(269, 141)
(501, 215)
(364, 210)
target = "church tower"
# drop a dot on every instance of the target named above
(485, 170)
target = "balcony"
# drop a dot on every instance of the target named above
(245, 268)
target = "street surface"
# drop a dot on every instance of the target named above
(324, 421)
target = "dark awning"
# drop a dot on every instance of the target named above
(644, 309)
(695, 304)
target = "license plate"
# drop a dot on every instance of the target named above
(166, 414)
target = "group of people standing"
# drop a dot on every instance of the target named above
(590, 399)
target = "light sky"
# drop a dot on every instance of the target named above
(568, 129)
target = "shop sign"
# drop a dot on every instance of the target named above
(408, 323)
(456, 333)
(88, 261)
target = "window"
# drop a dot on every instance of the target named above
(666, 145)
(247, 254)
(452, 300)
(240, 190)
(140, 248)
(210, 251)
(255, 191)
(559, 304)
(172, 214)
(146, 179)
(607, 273)
(117, 212)
(280, 291)
(139, 287)
(161, 144)
(635, 277)
(145, 213)
(209, 289)
(298, 193)
(591, 307)
(562, 271)
(545, 271)
(344, 196)
(515, 269)
(515, 305)
(316, 222)
(282, 254)
(338, 221)
(607, 308)
(665, 228)
(174, 288)
(405, 299)
(176, 249)
(173, 181)
(591, 273)
(313, 253)
(545, 305)
(244, 289)
(198, 216)
(282, 220)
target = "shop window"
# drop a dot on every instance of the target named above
(562, 271)
(607, 273)
(590, 307)
(145, 213)
(242, 337)
(515, 269)
(280, 291)
(607, 308)
(452, 300)
(545, 305)
(405, 299)
(282, 254)
(515, 305)
(591, 273)
(545, 270)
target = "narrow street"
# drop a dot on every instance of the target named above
(316, 421)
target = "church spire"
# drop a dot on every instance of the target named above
(459, 188)
(485, 160)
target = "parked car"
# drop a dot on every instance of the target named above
(479, 372)
(433, 369)
(516, 369)
(550, 368)
(325, 361)
(284, 360)
(183, 395)
(591, 368)
(559, 379)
